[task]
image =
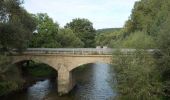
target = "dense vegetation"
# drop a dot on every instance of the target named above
(84, 30)
(108, 37)
(48, 34)
(14, 21)
(140, 76)
(143, 76)
(107, 30)
(35, 70)
(137, 77)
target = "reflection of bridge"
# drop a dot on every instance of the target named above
(65, 60)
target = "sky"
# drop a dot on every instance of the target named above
(102, 13)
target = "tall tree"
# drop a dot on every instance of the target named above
(109, 39)
(46, 32)
(68, 39)
(164, 60)
(143, 16)
(16, 25)
(83, 28)
(153, 18)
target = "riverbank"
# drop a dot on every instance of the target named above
(24, 76)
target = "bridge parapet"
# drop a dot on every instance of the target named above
(82, 51)
(79, 51)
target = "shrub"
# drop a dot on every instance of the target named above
(137, 77)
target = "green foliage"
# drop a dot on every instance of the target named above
(147, 16)
(69, 39)
(137, 77)
(49, 35)
(148, 27)
(4, 61)
(16, 25)
(107, 30)
(141, 17)
(164, 58)
(83, 29)
(109, 39)
(7, 86)
(139, 40)
(40, 70)
(46, 32)
(10, 80)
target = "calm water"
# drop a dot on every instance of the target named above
(94, 82)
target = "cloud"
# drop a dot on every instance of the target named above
(103, 13)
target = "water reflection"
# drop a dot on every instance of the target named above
(95, 85)
(92, 84)
(39, 90)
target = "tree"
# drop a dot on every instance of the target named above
(139, 40)
(83, 29)
(16, 25)
(143, 16)
(46, 32)
(137, 77)
(152, 19)
(164, 60)
(109, 39)
(68, 39)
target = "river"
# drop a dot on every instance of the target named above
(94, 82)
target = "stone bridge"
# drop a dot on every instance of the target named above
(64, 60)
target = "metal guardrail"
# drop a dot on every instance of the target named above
(83, 51)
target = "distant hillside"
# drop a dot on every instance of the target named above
(108, 30)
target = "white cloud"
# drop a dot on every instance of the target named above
(103, 13)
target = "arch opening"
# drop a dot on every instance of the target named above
(94, 79)
(36, 69)
(84, 63)
(32, 86)
(32, 72)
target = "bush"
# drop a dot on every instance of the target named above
(10, 81)
(139, 40)
(40, 70)
(7, 86)
(137, 77)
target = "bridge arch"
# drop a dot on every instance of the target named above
(26, 64)
(88, 60)
(34, 59)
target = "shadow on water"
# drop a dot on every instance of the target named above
(93, 83)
